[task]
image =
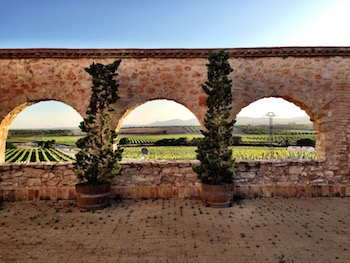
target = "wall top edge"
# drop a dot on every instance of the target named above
(42, 53)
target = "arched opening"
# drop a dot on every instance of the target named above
(278, 128)
(161, 126)
(156, 110)
(39, 132)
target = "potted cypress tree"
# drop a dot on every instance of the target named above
(97, 161)
(216, 169)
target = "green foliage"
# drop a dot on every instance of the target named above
(39, 132)
(97, 160)
(213, 152)
(182, 141)
(236, 140)
(278, 129)
(47, 144)
(306, 142)
(171, 153)
(124, 141)
(10, 145)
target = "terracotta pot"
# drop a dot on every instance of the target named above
(217, 195)
(92, 196)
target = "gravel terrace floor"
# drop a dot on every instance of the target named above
(177, 230)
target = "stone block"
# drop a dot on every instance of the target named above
(52, 182)
(49, 166)
(71, 193)
(281, 164)
(317, 181)
(342, 191)
(21, 194)
(266, 191)
(187, 170)
(247, 175)
(169, 192)
(5, 167)
(63, 193)
(136, 179)
(325, 190)
(347, 191)
(34, 182)
(130, 172)
(168, 179)
(170, 170)
(329, 173)
(5, 177)
(16, 166)
(296, 170)
(294, 177)
(146, 171)
(43, 194)
(39, 165)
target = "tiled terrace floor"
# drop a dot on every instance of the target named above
(177, 230)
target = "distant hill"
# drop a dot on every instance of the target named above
(173, 122)
(47, 129)
(240, 121)
(265, 121)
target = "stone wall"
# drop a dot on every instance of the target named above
(317, 79)
(45, 181)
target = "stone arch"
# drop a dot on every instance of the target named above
(11, 116)
(321, 138)
(132, 106)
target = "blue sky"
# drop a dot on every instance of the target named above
(171, 24)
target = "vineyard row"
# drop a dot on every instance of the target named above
(160, 153)
(36, 155)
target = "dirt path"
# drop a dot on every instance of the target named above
(177, 230)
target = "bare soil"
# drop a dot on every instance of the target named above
(177, 230)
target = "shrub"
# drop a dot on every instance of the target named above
(172, 142)
(306, 142)
(124, 141)
(97, 159)
(236, 140)
(213, 152)
(10, 145)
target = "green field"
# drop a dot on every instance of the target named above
(134, 139)
(150, 139)
(155, 153)
(239, 152)
(36, 155)
(253, 148)
(65, 140)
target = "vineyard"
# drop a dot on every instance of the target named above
(277, 139)
(246, 139)
(158, 153)
(64, 140)
(151, 139)
(239, 152)
(36, 155)
(253, 144)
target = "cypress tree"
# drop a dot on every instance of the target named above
(97, 160)
(217, 163)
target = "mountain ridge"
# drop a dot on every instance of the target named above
(240, 121)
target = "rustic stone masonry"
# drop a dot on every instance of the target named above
(51, 181)
(317, 79)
